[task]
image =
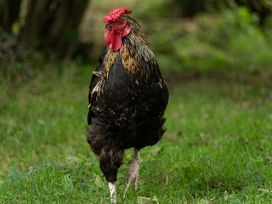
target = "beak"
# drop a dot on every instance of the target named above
(106, 26)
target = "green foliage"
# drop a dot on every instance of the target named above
(212, 42)
(189, 8)
(216, 149)
(268, 2)
(10, 59)
(223, 39)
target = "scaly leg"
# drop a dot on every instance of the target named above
(112, 189)
(133, 172)
(110, 160)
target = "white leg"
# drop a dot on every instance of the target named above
(133, 172)
(112, 189)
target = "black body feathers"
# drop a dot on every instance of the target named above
(127, 100)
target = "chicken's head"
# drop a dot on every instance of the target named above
(116, 27)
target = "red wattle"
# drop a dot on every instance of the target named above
(113, 39)
(113, 36)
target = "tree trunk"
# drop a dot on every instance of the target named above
(63, 33)
(36, 15)
(52, 25)
(9, 13)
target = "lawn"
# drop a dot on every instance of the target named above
(217, 148)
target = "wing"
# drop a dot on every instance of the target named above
(95, 80)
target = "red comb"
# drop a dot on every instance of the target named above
(115, 14)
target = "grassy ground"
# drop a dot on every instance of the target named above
(217, 148)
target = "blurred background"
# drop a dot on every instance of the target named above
(186, 35)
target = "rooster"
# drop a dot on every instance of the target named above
(127, 98)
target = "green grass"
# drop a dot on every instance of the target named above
(217, 148)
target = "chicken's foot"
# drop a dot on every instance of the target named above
(134, 170)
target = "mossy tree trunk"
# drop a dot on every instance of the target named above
(52, 25)
(9, 13)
